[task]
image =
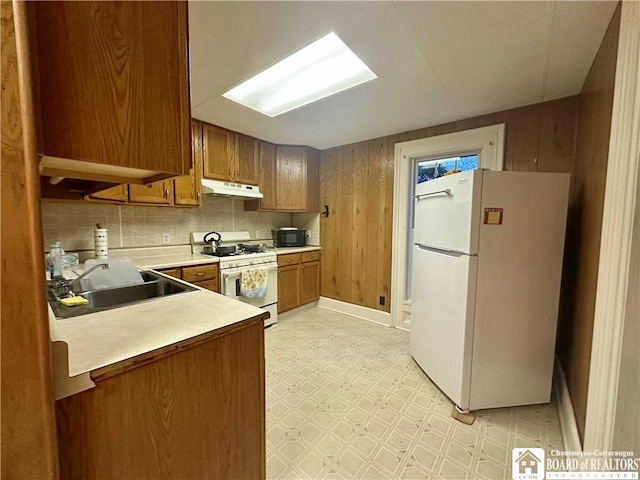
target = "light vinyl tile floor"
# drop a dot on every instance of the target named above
(345, 400)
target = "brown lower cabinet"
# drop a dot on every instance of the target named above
(196, 411)
(298, 279)
(205, 276)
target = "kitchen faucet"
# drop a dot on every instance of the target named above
(72, 283)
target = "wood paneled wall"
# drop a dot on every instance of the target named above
(585, 221)
(356, 182)
(28, 421)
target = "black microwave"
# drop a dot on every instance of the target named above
(289, 237)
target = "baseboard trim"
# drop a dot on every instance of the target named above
(568, 425)
(370, 314)
(294, 311)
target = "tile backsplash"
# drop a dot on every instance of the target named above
(309, 222)
(72, 223)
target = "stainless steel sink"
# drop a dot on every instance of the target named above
(154, 287)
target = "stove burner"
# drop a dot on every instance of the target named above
(251, 248)
(221, 254)
(241, 251)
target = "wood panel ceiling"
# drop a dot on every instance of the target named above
(437, 61)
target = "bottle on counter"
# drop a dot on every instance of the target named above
(54, 260)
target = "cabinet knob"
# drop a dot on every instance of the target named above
(197, 195)
(166, 193)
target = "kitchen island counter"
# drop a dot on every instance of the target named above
(118, 337)
(183, 375)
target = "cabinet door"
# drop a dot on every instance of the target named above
(113, 194)
(267, 181)
(291, 178)
(160, 193)
(309, 282)
(212, 285)
(117, 87)
(217, 145)
(246, 160)
(288, 288)
(188, 188)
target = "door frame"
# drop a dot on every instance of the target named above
(614, 269)
(488, 141)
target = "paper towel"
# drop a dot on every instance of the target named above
(100, 242)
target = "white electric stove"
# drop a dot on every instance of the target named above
(232, 266)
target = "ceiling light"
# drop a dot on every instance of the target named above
(319, 70)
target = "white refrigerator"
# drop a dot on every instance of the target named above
(486, 269)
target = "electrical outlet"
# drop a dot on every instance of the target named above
(258, 233)
(308, 233)
(166, 238)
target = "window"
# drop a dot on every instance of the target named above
(430, 169)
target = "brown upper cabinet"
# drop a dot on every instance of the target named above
(289, 179)
(182, 191)
(217, 148)
(112, 80)
(267, 180)
(247, 159)
(159, 193)
(119, 193)
(229, 156)
(187, 189)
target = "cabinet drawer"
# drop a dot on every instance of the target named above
(310, 256)
(289, 259)
(200, 273)
(172, 272)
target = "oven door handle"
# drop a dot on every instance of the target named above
(237, 270)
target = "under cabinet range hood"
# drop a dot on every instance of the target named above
(230, 189)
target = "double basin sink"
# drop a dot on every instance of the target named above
(155, 286)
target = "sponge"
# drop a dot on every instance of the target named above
(72, 301)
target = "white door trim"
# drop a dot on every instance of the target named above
(617, 228)
(489, 141)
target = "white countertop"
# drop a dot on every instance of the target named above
(285, 250)
(105, 338)
(181, 256)
(174, 260)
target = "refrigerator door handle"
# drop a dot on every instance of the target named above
(451, 253)
(446, 191)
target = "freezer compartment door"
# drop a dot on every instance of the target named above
(447, 212)
(442, 308)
